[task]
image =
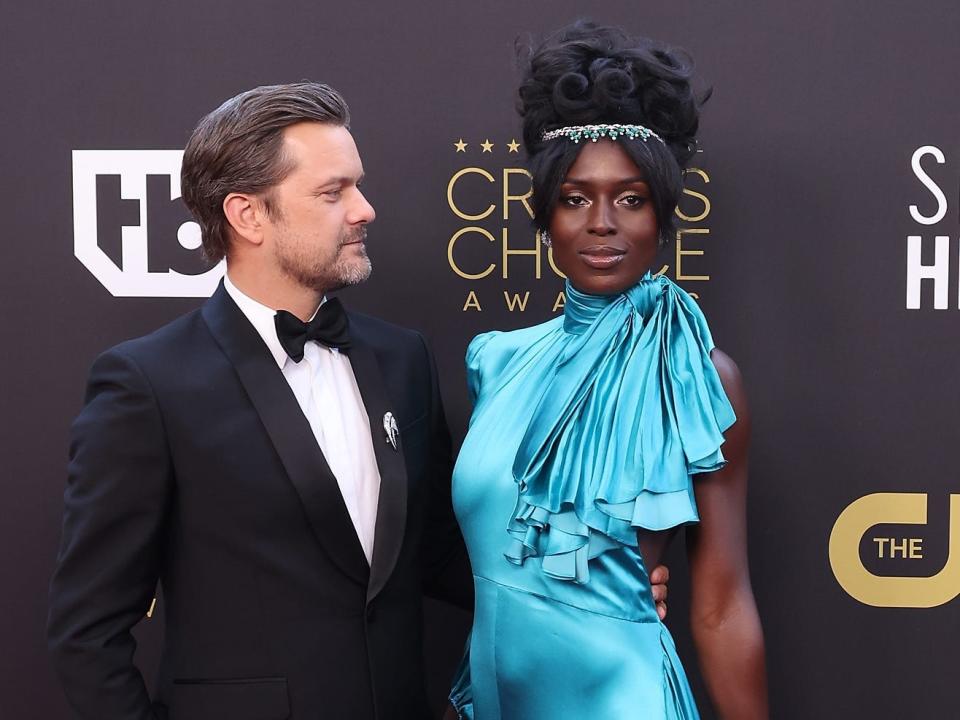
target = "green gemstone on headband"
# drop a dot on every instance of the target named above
(595, 132)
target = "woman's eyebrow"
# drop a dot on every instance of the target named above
(623, 181)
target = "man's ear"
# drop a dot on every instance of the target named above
(245, 213)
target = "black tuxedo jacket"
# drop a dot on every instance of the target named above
(192, 464)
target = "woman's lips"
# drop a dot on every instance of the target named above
(602, 257)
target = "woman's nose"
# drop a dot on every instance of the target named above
(601, 220)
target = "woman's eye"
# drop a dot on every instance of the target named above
(632, 200)
(574, 200)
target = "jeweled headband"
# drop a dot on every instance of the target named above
(595, 132)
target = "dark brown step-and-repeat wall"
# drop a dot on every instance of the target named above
(821, 236)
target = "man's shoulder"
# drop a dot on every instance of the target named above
(177, 336)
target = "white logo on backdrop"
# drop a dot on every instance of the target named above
(939, 272)
(130, 273)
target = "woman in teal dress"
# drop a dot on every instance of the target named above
(595, 435)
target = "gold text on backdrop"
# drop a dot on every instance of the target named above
(893, 591)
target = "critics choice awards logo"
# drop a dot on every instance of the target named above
(494, 249)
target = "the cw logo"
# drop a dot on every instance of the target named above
(893, 591)
(130, 228)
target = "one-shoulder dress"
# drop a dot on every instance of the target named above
(584, 429)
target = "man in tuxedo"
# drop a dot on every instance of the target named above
(280, 466)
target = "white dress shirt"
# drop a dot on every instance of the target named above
(326, 389)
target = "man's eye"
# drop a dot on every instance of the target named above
(333, 194)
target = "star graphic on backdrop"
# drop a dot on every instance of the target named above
(513, 145)
(487, 146)
(460, 145)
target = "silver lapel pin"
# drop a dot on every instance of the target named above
(391, 429)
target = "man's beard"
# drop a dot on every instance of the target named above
(326, 274)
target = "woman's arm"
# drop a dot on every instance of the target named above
(723, 613)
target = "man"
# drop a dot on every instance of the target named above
(281, 467)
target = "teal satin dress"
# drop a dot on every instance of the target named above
(584, 429)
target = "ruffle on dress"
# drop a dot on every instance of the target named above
(634, 408)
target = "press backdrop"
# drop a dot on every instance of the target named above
(821, 237)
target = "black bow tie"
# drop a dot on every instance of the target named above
(328, 327)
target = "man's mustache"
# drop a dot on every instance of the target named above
(354, 237)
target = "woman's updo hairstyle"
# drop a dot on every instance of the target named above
(587, 74)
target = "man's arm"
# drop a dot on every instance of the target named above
(446, 568)
(118, 492)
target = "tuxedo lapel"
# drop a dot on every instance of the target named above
(290, 433)
(392, 505)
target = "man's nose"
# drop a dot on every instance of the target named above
(363, 211)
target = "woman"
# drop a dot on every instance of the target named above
(588, 430)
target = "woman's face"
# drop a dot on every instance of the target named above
(604, 228)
